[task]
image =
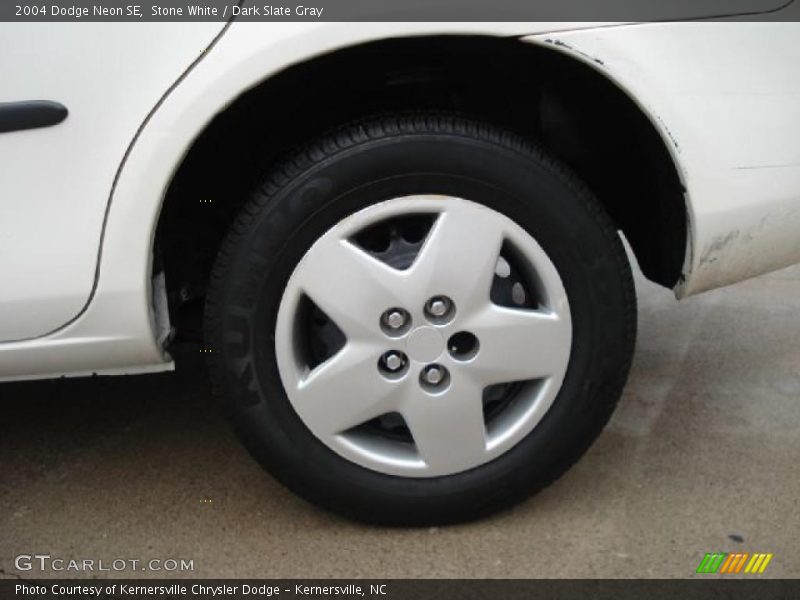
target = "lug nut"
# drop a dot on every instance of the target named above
(433, 374)
(439, 306)
(393, 361)
(434, 378)
(395, 319)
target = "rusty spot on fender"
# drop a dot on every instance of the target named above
(561, 44)
(718, 245)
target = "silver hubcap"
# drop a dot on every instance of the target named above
(434, 375)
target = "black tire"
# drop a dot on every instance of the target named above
(394, 156)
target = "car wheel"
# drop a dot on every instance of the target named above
(420, 319)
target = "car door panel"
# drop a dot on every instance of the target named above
(55, 181)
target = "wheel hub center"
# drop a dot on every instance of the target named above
(425, 344)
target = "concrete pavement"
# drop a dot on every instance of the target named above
(701, 456)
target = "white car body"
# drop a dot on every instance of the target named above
(80, 201)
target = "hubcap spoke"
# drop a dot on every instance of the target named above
(345, 391)
(518, 345)
(349, 286)
(459, 257)
(448, 429)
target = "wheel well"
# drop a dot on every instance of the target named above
(581, 117)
